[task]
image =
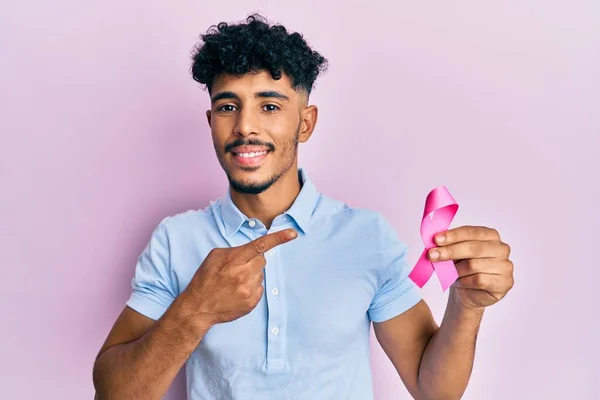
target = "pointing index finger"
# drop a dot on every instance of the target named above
(265, 243)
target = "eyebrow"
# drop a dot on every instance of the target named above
(263, 94)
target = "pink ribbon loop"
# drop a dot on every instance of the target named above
(440, 209)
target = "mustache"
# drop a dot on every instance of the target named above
(248, 142)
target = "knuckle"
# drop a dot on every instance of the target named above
(259, 246)
(279, 238)
(244, 292)
(283, 237)
(495, 233)
(260, 276)
(260, 261)
(473, 232)
(485, 264)
(260, 291)
(225, 255)
(239, 279)
(488, 265)
(259, 294)
(475, 248)
(511, 267)
(479, 280)
(256, 263)
(215, 252)
(253, 298)
(475, 264)
(228, 256)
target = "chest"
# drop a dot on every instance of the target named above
(316, 299)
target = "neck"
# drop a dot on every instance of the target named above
(277, 199)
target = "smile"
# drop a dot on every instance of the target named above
(251, 155)
(253, 158)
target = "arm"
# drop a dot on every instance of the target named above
(433, 363)
(436, 363)
(141, 358)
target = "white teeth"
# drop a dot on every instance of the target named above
(253, 154)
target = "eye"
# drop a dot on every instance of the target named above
(226, 108)
(270, 107)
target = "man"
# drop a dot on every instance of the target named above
(269, 292)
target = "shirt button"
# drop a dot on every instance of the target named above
(282, 218)
(275, 291)
(275, 330)
(272, 252)
(252, 223)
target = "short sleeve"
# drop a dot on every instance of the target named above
(152, 284)
(396, 292)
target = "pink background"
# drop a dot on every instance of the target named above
(103, 133)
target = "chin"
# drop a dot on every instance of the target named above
(249, 180)
(250, 187)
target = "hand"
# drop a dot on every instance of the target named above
(228, 284)
(482, 261)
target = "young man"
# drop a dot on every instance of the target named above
(269, 292)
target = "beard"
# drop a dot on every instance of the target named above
(288, 157)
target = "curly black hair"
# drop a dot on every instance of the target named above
(254, 46)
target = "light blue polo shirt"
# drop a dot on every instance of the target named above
(308, 337)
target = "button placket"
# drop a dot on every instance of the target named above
(276, 316)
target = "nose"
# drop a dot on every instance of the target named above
(247, 122)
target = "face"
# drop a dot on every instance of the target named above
(256, 124)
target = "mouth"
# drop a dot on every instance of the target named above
(249, 155)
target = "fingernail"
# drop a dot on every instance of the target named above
(291, 234)
(434, 254)
(440, 239)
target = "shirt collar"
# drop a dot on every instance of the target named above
(301, 210)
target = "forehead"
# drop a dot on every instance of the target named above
(251, 83)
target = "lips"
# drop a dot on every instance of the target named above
(249, 149)
(249, 155)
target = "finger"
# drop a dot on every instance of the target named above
(494, 284)
(491, 266)
(477, 297)
(255, 286)
(253, 278)
(249, 274)
(255, 265)
(481, 281)
(265, 243)
(258, 279)
(466, 233)
(470, 249)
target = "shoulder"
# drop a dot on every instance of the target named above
(371, 222)
(190, 220)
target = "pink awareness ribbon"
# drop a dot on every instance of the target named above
(440, 209)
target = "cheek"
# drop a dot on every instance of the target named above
(283, 131)
(219, 132)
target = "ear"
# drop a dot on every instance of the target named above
(208, 117)
(309, 120)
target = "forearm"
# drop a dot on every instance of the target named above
(145, 368)
(447, 361)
